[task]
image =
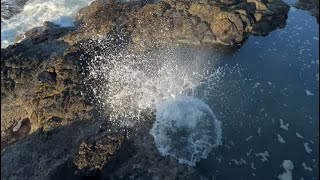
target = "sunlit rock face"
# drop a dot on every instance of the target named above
(153, 22)
(206, 22)
(186, 129)
(188, 22)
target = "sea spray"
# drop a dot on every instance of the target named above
(168, 81)
(128, 82)
(34, 13)
(9, 8)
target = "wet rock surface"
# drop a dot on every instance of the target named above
(311, 5)
(189, 22)
(205, 22)
(51, 128)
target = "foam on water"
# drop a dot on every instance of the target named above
(288, 167)
(166, 81)
(35, 12)
(131, 86)
(186, 129)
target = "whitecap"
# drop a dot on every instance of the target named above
(283, 126)
(307, 148)
(288, 167)
(309, 93)
(280, 139)
(304, 165)
(263, 156)
(299, 135)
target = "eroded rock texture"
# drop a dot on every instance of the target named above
(50, 128)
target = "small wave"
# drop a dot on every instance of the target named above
(34, 13)
(186, 129)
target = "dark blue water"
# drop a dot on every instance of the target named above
(270, 78)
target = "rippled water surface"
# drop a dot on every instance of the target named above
(268, 105)
(265, 95)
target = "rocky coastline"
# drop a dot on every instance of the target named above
(50, 126)
(310, 5)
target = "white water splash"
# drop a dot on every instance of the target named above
(186, 129)
(166, 81)
(131, 82)
(35, 12)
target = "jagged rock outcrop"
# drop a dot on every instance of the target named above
(41, 82)
(205, 22)
(189, 22)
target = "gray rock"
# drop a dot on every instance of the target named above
(311, 5)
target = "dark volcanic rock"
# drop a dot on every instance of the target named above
(42, 155)
(46, 77)
(34, 76)
(189, 22)
(311, 5)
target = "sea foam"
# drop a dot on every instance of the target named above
(186, 129)
(35, 12)
(173, 82)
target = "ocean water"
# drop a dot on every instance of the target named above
(264, 96)
(269, 106)
(35, 12)
(186, 129)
